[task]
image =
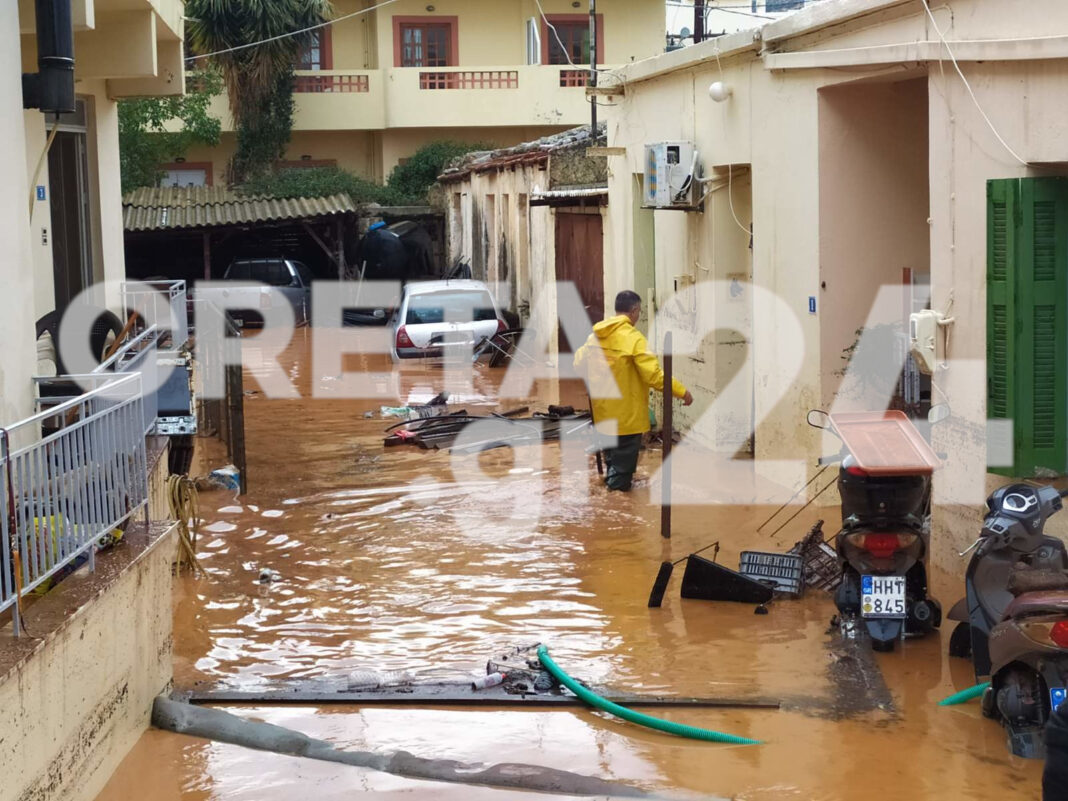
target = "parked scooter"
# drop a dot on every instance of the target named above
(885, 485)
(1014, 616)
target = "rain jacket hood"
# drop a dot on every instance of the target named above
(620, 372)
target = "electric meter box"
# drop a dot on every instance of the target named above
(669, 175)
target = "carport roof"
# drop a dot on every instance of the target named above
(178, 207)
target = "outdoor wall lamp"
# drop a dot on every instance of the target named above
(430, 8)
(719, 91)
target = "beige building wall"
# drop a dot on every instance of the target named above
(83, 698)
(493, 226)
(17, 300)
(354, 151)
(633, 29)
(843, 182)
(399, 116)
(874, 207)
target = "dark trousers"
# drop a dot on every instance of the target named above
(1055, 779)
(621, 461)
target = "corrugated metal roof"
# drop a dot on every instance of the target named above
(161, 208)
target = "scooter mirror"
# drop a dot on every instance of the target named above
(819, 419)
(938, 413)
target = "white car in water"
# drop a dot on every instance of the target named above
(436, 318)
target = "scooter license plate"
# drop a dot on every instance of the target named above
(1057, 696)
(882, 596)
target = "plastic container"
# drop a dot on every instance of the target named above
(783, 572)
(820, 561)
(491, 680)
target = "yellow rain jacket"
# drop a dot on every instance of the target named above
(616, 361)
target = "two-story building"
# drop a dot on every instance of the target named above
(80, 475)
(384, 80)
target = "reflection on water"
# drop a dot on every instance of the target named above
(410, 560)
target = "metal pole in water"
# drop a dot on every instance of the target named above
(667, 426)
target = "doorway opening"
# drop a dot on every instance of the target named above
(70, 204)
(874, 202)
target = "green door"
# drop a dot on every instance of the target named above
(1027, 298)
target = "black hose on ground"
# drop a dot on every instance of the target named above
(214, 724)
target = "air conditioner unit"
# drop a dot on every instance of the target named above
(670, 175)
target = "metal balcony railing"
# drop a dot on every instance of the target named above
(166, 304)
(136, 355)
(69, 475)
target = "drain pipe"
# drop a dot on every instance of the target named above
(51, 88)
(214, 724)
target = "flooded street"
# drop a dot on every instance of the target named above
(426, 563)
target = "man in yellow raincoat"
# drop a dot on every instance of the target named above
(620, 370)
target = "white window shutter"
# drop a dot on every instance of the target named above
(534, 41)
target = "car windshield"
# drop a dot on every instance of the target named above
(454, 306)
(273, 272)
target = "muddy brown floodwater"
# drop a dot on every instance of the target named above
(418, 561)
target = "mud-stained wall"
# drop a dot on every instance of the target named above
(572, 167)
(494, 227)
(76, 705)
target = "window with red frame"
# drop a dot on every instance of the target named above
(315, 55)
(575, 38)
(426, 45)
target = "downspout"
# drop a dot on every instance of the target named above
(51, 88)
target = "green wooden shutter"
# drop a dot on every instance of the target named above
(1027, 319)
(1000, 320)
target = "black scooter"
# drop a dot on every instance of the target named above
(1014, 616)
(885, 485)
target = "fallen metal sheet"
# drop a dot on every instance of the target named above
(707, 581)
(450, 694)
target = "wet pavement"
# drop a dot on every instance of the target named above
(427, 564)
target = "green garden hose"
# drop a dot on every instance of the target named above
(965, 695)
(668, 726)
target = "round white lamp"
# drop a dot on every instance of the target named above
(719, 91)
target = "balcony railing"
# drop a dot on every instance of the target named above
(574, 77)
(331, 82)
(470, 79)
(138, 355)
(164, 302)
(69, 476)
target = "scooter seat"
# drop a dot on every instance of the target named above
(1029, 580)
(1038, 603)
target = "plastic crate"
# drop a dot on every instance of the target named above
(783, 572)
(821, 567)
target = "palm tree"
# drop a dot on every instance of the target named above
(259, 79)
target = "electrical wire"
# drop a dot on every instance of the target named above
(326, 24)
(968, 86)
(730, 199)
(40, 163)
(728, 9)
(559, 41)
